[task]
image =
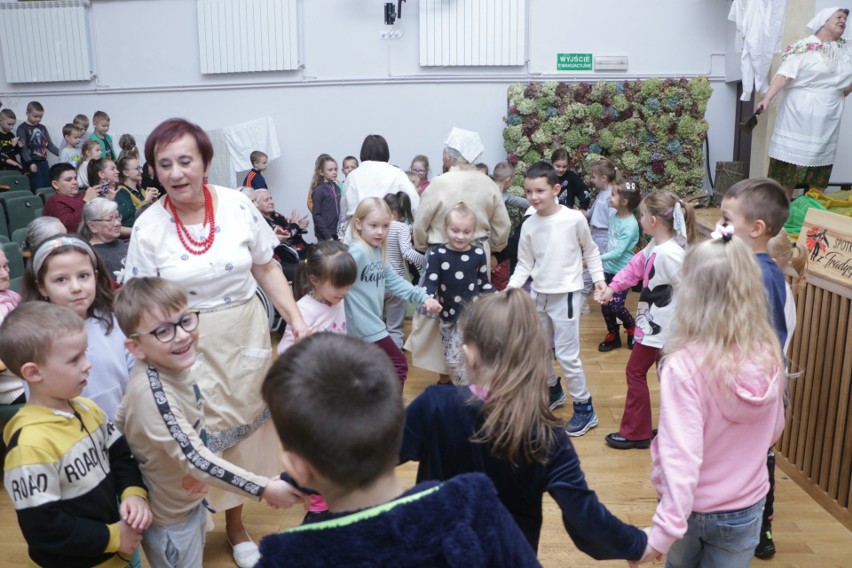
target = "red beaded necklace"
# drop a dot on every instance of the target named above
(191, 245)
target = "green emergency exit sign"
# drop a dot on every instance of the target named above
(574, 61)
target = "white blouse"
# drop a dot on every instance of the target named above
(219, 276)
(811, 106)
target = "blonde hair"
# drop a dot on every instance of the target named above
(87, 149)
(721, 306)
(661, 204)
(415, 179)
(367, 206)
(517, 421)
(604, 167)
(785, 253)
(460, 209)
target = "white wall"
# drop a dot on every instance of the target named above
(353, 83)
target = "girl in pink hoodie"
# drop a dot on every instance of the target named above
(721, 403)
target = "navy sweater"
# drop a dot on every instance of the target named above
(460, 523)
(438, 427)
(776, 294)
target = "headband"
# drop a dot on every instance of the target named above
(46, 248)
(724, 232)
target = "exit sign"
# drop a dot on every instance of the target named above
(574, 61)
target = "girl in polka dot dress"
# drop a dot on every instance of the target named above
(456, 274)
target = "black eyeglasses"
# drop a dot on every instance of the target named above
(166, 332)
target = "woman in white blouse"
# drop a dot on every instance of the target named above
(213, 241)
(814, 79)
(375, 177)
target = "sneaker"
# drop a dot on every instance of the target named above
(630, 337)
(557, 395)
(619, 442)
(766, 547)
(610, 342)
(584, 419)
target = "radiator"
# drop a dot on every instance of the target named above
(242, 36)
(472, 33)
(45, 42)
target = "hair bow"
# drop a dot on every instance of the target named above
(724, 232)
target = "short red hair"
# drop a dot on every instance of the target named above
(173, 129)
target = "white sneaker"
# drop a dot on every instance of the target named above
(246, 554)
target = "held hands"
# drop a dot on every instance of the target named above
(130, 539)
(603, 293)
(651, 553)
(135, 512)
(281, 495)
(432, 305)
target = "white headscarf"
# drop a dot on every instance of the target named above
(466, 142)
(822, 17)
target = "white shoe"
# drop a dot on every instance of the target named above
(246, 554)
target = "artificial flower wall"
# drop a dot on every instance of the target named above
(652, 130)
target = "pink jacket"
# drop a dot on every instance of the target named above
(710, 452)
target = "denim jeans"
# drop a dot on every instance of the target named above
(718, 540)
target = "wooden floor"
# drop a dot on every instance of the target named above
(805, 535)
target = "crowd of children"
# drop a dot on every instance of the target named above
(110, 450)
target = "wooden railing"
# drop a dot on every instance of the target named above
(816, 447)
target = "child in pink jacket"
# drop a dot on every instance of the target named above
(721, 396)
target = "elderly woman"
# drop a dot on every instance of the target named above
(461, 181)
(375, 177)
(814, 78)
(212, 241)
(292, 247)
(101, 226)
(42, 228)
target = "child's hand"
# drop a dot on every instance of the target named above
(605, 296)
(136, 513)
(33, 168)
(302, 332)
(650, 555)
(432, 305)
(281, 495)
(130, 539)
(14, 141)
(193, 486)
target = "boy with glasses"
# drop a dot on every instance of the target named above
(162, 418)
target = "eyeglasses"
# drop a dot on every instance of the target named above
(418, 171)
(113, 219)
(167, 332)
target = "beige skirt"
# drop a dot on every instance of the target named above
(235, 344)
(424, 343)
